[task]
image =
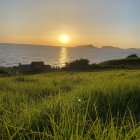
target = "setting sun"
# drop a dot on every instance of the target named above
(64, 39)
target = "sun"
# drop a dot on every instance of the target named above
(64, 39)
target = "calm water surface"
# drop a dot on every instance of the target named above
(56, 56)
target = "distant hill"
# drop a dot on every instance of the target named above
(109, 47)
(86, 46)
(80, 46)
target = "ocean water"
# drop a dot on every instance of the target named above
(12, 55)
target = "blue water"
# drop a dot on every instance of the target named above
(11, 55)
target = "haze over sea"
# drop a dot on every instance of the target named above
(13, 54)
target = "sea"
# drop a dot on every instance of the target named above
(13, 54)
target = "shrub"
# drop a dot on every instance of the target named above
(77, 64)
(132, 56)
(3, 71)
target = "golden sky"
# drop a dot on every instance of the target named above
(102, 22)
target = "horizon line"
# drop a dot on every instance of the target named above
(82, 45)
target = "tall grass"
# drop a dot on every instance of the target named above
(71, 106)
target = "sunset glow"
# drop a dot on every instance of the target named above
(64, 39)
(71, 23)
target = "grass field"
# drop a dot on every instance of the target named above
(71, 106)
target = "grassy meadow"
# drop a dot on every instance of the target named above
(71, 106)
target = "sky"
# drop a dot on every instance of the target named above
(98, 22)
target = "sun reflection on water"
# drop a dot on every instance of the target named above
(63, 56)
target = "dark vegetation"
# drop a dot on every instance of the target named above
(77, 65)
(132, 56)
(130, 62)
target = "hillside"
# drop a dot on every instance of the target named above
(59, 105)
(122, 63)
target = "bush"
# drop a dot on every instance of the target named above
(132, 56)
(3, 71)
(77, 65)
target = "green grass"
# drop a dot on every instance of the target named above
(71, 106)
